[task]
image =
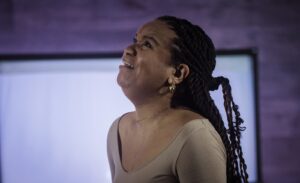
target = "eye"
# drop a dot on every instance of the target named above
(147, 44)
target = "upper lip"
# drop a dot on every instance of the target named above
(127, 63)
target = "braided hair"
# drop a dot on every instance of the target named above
(193, 47)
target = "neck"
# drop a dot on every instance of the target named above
(152, 109)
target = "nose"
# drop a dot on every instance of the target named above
(130, 50)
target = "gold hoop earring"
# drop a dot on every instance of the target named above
(172, 88)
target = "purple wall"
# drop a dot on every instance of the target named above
(60, 26)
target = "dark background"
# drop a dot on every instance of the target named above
(271, 27)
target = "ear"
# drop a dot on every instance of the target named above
(179, 74)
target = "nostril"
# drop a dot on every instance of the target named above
(130, 50)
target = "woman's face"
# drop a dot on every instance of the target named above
(147, 61)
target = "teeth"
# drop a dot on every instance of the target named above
(128, 65)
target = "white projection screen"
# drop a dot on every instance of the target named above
(55, 112)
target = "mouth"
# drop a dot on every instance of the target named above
(127, 65)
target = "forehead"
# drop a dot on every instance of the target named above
(158, 29)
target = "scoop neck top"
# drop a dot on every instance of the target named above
(165, 167)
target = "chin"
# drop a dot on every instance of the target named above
(122, 82)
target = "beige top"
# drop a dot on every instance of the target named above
(195, 155)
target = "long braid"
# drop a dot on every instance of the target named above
(236, 128)
(232, 130)
(194, 48)
(212, 113)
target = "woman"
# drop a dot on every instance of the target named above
(176, 133)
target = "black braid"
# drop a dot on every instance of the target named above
(193, 47)
(235, 130)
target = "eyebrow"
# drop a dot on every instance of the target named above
(151, 38)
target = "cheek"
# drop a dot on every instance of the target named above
(155, 62)
(153, 67)
(156, 75)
